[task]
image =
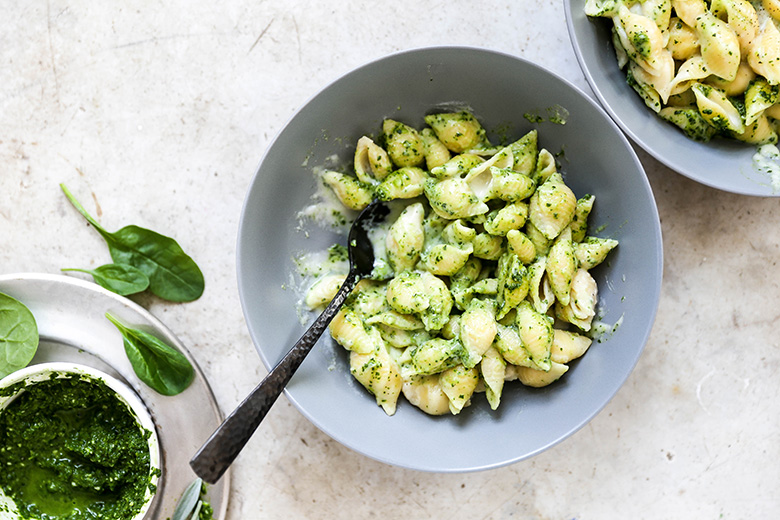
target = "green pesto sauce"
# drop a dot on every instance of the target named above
(70, 449)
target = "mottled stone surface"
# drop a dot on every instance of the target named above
(158, 113)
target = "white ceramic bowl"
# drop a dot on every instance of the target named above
(500, 90)
(724, 164)
(44, 371)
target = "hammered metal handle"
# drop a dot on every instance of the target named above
(215, 456)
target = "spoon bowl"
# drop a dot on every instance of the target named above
(227, 441)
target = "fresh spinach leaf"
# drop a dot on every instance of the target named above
(173, 275)
(122, 279)
(189, 501)
(18, 335)
(156, 363)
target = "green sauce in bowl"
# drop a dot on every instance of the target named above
(70, 448)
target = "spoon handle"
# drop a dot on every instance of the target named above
(219, 451)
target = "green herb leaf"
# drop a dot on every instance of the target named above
(173, 275)
(188, 501)
(119, 278)
(18, 335)
(156, 363)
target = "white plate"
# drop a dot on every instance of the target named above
(70, 314)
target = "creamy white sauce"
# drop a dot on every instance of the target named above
(767, 161)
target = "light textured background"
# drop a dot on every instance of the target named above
(157, 113)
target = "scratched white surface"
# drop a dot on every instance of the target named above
(156, 113)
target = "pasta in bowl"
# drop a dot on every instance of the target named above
(694, 83)
(288, 227)
(489, 258)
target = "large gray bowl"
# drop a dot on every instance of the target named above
(500, 89)
(721, 163)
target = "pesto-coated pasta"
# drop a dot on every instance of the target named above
(482, 270)
(701, 64)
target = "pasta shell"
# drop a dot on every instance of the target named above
(764, 54)
(404, 144)
(380, 375)
(425, 393)
(405, 238)
(719, 46)
(372, 164)
(459, 384)
(493, 369)
(716, 109)
(561, 265)
(536, 334)
(458, 131)
(538, 378)
(436, 154)
(551, 207)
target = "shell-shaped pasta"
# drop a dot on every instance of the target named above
(661, 78)
(568, 345)
(493, 368)
(689, 10)
(368, 298)
(739, 85)
(323, 290)
(461, 281)
(539, 291)
(764, 54)
(593, 250)
(551, 207)
(436, 154)
(538, 378)
(348, 330)
(487, 246)
(436, 315)
(660, 11)
(519, 244)
(605, 8)
(477, 330)
(510, 346)
(719, 46)
(395, 320)
(446, 259)
(509, 185)
(380, 375)
(404, 144)
(741, 16)
(405, 238)
(759, 96)
(683, 41)
(536, 333)
(541, 243)
(760, 131)
(394, 337)
(453, 198)
(525, 152)
(690, 121)
(772, 7)
(372, 164)
(349, 190)
(501, 221)
(435, 355)
(692, 70)
(635, 79)
(458, 131)
(486, 286)
(480, 177)
(545, 166)
(579, 222)
(561, 265)
(425, 393)
(459, 384)
(513, 283)
(406, 293)
(404, 183)
(620, 53)
(716, 109)
(458, 233)
(641, 38)
(458, 165)
(582, 305)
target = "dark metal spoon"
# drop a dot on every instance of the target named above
(224, 445)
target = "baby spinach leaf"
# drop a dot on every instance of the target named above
(173, 275)
(188, 501)
(18, 335)
(156, 363)
(119, 278)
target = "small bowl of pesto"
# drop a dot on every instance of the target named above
(75, 443)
